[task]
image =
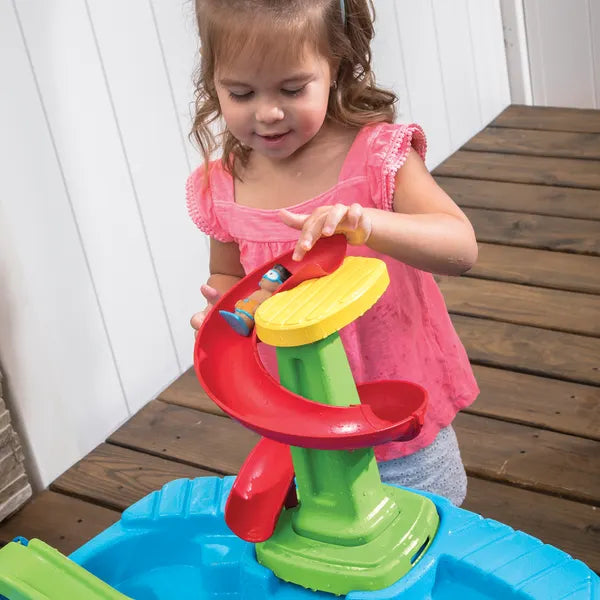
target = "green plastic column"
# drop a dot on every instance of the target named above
(342, 498)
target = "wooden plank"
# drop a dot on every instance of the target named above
(522, 304)
(532, 142)
(549, 118)
(187, 391)
(571, 526)
(530, 349)
(567, 172)
(535, 231)
(152, 429)
(548, 403)
(558, 270)
(196, 438)
(523, 197)
(117, 477)
(561, 406)
(63, 522)
(546, 461)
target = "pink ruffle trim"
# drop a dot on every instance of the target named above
(405, 138)
(194, 210)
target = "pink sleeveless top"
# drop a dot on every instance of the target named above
(408, 333)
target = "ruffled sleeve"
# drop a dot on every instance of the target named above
(389, 147)
(201, 206)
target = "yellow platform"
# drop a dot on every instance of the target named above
(317, 308)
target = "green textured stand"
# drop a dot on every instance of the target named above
(39, 572)
(349, 531)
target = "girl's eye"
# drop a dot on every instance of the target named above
(295, 92)
(240, 97)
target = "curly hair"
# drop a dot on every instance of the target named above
(231, 28)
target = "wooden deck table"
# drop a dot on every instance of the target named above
(528, 314)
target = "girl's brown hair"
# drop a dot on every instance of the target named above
(230, 28)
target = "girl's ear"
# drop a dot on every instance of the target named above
(335, 72)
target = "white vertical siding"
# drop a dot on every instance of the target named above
(594, 16)
(446, 62)
(564, 52)
(459, 75)
(425, 85)
(517, 56)
(487, 44)
(100, 266)
(56, 354)
(154, 153)
(100, 174)
(175, 24)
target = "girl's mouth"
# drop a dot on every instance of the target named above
(273, 138)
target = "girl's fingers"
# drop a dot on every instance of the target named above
(212, 296)
(333, 218)
(303, 245)
(210, 293)
(291, 219)
(197, 320)
(308, 235)
(354, 216)
(297, 221)
(326, 221)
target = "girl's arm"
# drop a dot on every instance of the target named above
(225, 271)
(224, 265)
(427, 230)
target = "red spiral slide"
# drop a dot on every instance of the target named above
(229, 369)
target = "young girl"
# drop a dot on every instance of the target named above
(310, 149)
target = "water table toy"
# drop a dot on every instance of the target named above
(307, 517)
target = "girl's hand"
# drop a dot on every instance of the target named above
(212, 296)
(353, 221)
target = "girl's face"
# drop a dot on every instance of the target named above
(275, 107)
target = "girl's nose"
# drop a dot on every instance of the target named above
(269, 113)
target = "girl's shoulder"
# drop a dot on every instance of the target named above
(389, 139)
(206, 187)
(209, 179)
(379, 152)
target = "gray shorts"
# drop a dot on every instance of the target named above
(438, 468)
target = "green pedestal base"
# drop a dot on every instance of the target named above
(340, 569)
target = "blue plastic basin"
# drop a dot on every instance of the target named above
(174, 544)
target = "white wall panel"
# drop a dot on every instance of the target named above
(54, 349)
(457, 63)
(517, 55)
(177, 32)
(98, 174)
(594, 20)
(490, 57)
(423, 74)
(446, 62)
(563, 38)
(155, 151)
(388, 60)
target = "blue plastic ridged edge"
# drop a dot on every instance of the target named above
(486, 550)
(201, 500)
(21, 540)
